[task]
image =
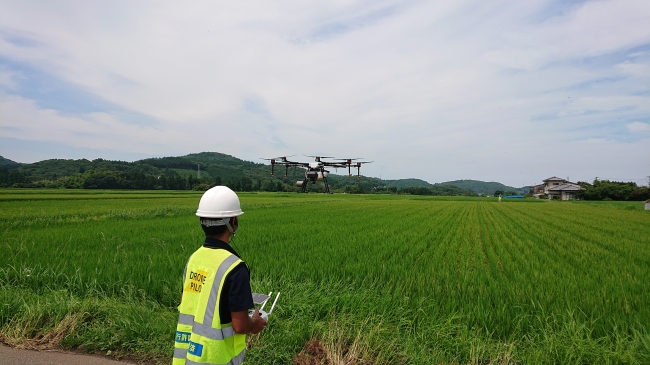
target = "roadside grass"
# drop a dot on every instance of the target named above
(132, 328)
(364, 279)
(140, 330)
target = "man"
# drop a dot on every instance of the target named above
(214, 320)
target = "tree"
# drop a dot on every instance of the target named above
(272, 185)
(257, 185)
(640, 194)
(234, 184)
(354, 189)
(246, 184)
(191, 181)
(162, 182)
(610, 190)
(8, 178)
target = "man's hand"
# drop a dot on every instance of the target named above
(243, 324)
(259, 322)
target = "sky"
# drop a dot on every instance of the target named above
(507, 91)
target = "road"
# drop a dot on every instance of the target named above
(11, 356)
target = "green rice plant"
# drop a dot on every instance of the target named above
(431, 279)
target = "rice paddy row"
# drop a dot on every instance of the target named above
(405, 279)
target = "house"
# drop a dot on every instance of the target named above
(556, 188)
(647, 204)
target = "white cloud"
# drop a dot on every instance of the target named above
(7, 79)
(636, 69)
(594, 29)
(22, 119)
(637, 127)
(435, 90)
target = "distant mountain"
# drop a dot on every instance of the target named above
(193, 171)
(208, 165)
(408, 183)
(213, 164)
(7, 163)
(479, 187)
(485, 188)
(208, 168)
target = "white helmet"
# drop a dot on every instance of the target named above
(219, 202)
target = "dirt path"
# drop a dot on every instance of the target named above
(11, 356)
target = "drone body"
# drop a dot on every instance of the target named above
(315, 171)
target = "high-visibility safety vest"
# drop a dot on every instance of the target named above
(201, 338)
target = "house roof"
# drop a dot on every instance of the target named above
(566, 187)
(554, 178)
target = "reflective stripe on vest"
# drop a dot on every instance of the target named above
(204, 343)
(180, 353)
(204, 329)
(213, 305)
(186, 319)
(237, 360)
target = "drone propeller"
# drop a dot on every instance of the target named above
(283, 160)
(318, 158)
(348, 161)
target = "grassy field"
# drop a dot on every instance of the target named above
(367, 279)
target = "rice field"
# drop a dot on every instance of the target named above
(368, 278)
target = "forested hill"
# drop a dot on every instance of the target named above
(196, 168)
(408, 183)
(194, 171)
(479, 187)
(486, 188)
(200, 171)
(4, 162)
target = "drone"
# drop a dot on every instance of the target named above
(315, 171)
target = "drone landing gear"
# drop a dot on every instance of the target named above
(327, 186)
(303, 187)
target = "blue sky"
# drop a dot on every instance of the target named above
(493, 91)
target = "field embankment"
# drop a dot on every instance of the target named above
(364, 279)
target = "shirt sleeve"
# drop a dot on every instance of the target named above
(240, 297)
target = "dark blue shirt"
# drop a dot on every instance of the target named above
(236, 294)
